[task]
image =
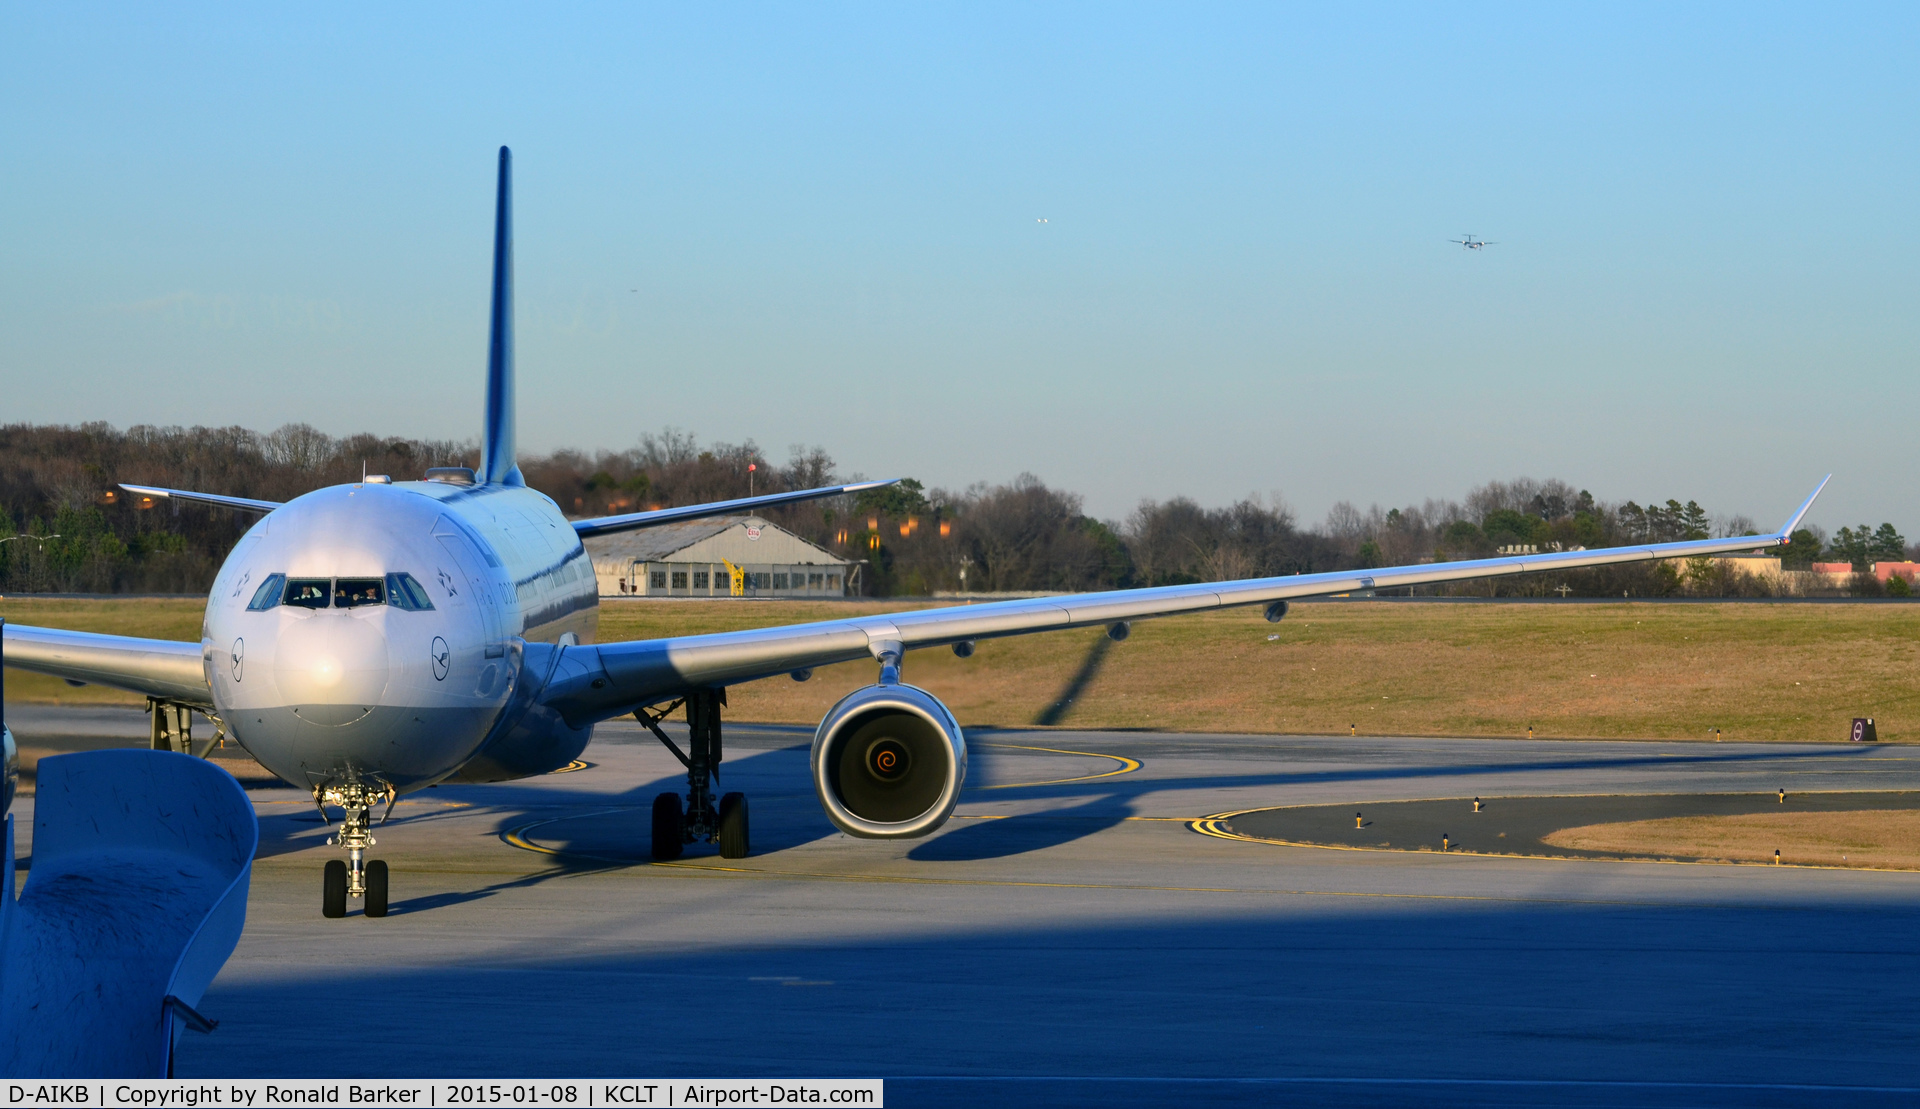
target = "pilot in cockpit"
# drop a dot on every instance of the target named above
(355, 592)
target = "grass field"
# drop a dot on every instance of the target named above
(1755, 671)
(1869, 838)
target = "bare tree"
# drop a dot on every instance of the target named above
(298, 447)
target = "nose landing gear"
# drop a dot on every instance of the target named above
(724, 824)
(356, 877)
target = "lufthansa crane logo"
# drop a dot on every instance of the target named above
(441, 655)
(238, 656)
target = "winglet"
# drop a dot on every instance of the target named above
(1786, 530)
(497, 463)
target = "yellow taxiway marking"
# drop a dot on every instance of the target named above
(1127, 766)
(1211, 826)
(577, 764)
(518, 836)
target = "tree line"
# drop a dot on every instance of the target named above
(69, 529)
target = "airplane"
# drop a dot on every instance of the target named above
(1471, 243)
(368, 640)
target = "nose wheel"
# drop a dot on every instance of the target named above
(356, 876)
(723, 824)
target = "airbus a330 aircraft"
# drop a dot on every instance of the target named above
(368, 640)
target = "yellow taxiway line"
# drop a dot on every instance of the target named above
(1127, 766)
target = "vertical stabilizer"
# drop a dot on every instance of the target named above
(497, 462)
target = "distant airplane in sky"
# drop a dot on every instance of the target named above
(365, 641)
(1472, 243)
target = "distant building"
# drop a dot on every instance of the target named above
(686, 560)
(1841, 573)
(1833, 574)
(1885, 570)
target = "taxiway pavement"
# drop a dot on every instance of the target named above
(1067, 939)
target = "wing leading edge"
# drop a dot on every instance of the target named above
(163, 668)
(600, 682)
(244, 504)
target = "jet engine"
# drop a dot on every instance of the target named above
(888, 762)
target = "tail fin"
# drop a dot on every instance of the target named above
(497, 463)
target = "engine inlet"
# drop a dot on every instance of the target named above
(888, 762)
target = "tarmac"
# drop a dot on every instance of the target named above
(1071, 938)
(1520, 825)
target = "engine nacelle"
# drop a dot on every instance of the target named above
(888, 762)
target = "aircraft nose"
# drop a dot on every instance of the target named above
(332, 667)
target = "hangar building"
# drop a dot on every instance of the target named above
(685, 560)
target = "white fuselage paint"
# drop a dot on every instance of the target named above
(380, 693)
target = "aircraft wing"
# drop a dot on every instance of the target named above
(600, 525)
(599, 682)
(244, 504)
(163, 668)
(606, 525)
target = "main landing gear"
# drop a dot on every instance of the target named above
(724, 824)
(357, 877)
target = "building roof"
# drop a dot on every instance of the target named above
(655, 544)
(662, 544)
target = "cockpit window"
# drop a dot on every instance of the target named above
(307, 592)
(358, 592)
(268, 595)
(405, 593)
(399, 590)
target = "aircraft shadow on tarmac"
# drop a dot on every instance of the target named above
(430, 902)
(590, 831)
(1000, 837)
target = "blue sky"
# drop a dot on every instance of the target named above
(820, 225)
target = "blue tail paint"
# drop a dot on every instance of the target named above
(497, 462)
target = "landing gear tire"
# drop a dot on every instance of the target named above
(333, 889)
(377, 888)
(733, 826)
(669, 827)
